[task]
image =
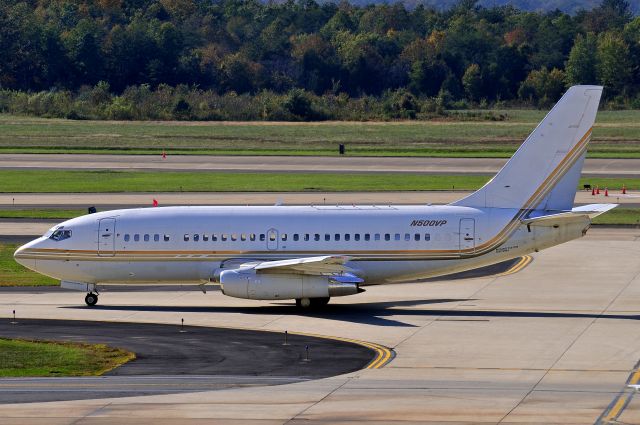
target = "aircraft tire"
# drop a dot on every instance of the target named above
(91, 299)
(312, 303)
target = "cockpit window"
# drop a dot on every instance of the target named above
(60, 234)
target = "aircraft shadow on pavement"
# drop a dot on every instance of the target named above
(386, 313)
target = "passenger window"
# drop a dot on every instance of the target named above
(296, 237)
(166, 238)
(367, 237)
(196, 237)
(327, 237)
(397, 236)
(347, 237)
(186, 237)
(262, 237)
(234, 237)
(416, 236)
(407, 237)
(252, 237)
(356, 236)
(272, 236)
(223, 237)
(337, 236)
(306, 236)
(146, 238)
(316, 237)
(427, 237)
(214, 237)
(377, 236)
(243, 237)
(284, 237)
(156, 238)
(387, 237)
(136, 237)
(205, 237)
(126, 237)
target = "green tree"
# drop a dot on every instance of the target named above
(543, 87)
(613, 66)
(472, 82)
(581, 65)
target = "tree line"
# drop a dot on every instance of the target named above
(299, 59)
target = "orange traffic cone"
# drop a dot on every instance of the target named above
(597, 190)
(593, 192)
(624, 190)
(606, 192)
(164, 154)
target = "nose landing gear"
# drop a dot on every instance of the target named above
(91, 299)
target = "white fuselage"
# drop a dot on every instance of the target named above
(188, 244)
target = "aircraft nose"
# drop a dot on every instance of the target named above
(22, 257)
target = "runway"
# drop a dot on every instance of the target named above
(594, 167)
(555, 342)
(176, 359)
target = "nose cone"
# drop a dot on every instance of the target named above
(22, 257)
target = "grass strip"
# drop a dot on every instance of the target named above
(617, 216)
(42, 214)
(22, 358)
(61, 181)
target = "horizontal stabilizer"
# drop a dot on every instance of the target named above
(576, 214)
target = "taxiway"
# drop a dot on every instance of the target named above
(555, 342)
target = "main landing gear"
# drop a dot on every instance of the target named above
(312, 302)
(91, 299)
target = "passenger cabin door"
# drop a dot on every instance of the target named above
(467, 235)
(272, 239)
(106, 237)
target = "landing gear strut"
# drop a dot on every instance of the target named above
(312, 302)
(91, 299)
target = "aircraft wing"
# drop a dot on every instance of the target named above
(330, 265)
(576, 214)
(326, 264)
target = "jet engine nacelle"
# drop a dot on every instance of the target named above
(266, 286)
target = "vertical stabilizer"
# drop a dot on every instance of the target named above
(544, 171)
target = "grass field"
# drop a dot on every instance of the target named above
(22, 358)
(617, 134)
(51, 181)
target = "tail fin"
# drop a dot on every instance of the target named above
(544, 171)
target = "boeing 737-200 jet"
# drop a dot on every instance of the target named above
(312, 253)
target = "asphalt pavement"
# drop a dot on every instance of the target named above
(594, 167)
(176, 359)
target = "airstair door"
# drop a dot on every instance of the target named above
(107, 237)
(467, 235)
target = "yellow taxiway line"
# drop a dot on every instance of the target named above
(617, 406)
(521, 264)
(383, 354)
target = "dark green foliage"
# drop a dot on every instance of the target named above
(302, 60)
